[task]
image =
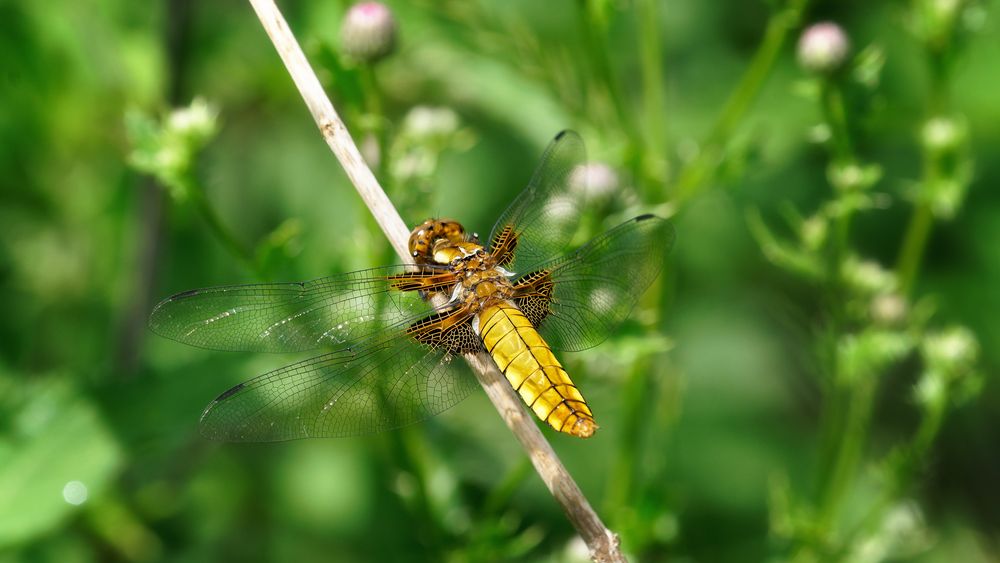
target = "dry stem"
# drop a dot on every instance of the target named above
(602, 542)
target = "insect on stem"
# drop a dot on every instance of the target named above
(601, 541)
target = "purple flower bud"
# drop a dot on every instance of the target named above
(368, 32)
(823, 47)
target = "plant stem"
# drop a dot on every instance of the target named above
(922, 220)
(595, 37)
(854, 430)
(912, 250)
(601, 541)
(835, 114)
(636, 397)
(221, 232)
(655, 118)
(500, 496)
(700, 170)
(149, 230)
(906, 462)
(403, 446)
(851, 399)
(375, 109)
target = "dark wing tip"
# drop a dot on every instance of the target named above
(225, 395)
(560, 134)
(668, 231)
(155, 316)
(208, 426)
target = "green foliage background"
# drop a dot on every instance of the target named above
(718, 410)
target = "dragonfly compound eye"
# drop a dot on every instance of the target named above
(421, 240)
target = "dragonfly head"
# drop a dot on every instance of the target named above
(431, 233)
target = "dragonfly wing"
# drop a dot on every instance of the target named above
(578, 300)
(329, 312)
(387, 382)
(539, 224)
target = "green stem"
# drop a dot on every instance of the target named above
(595, 37)
(622, 478)
(861, 399)
(922, 221)
(499, 497)
(851, 400)
(911, 253)
(653, 94)
(221, 232)
(702, 168)
(908, 460)
(374, 107)
(404, 444)
(835, 113)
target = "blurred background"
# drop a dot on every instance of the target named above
(811, 379)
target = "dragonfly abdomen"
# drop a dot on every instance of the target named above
(533, 370)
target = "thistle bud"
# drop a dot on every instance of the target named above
(867, 277)
(952, 351)
(427, 123)
(943, 134)
(594, 181)
(195, 123)
(368, 33)
(888, 309)
(823, 47)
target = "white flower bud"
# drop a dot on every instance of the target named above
(952, 351)
(427, 123)
(943, 134)
(594, 181)
(823, 47)
(868, 276)
(888, 309)
(195, 123)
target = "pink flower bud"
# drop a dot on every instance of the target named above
(368, 32)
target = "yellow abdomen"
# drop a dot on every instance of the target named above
(533, 370)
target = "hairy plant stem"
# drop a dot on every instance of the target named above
(701, 169)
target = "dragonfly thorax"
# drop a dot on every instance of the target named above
(480, 279)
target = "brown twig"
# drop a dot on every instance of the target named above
(602, 542)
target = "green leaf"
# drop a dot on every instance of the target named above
(56, 454)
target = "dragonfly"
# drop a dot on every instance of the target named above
(389, 336)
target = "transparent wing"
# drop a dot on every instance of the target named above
(594, 289)
(389, 381)
(539, 224)
(291, 317)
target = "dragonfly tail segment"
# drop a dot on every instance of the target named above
(533, 370)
